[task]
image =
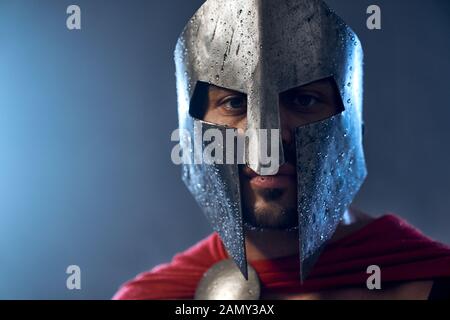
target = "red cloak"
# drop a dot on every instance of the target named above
(400, 250)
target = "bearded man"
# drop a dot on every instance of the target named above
(292, 67)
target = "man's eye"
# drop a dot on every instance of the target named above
(302, 102)
(234, 103)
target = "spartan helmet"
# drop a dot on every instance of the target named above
(263, 48)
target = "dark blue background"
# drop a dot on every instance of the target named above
(86, 118)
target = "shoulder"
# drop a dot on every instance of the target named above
(177, 279)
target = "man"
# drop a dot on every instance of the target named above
(285, 229)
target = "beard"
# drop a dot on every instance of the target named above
(278, 210)
(273, 216)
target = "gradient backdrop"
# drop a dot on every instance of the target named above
(86, 118)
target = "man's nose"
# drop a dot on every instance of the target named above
(287, 127)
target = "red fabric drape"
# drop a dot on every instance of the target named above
(401, 251)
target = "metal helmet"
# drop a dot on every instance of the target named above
(263, 48)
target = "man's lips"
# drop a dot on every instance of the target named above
(285, 177)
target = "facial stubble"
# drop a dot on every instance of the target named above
(274, 215)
